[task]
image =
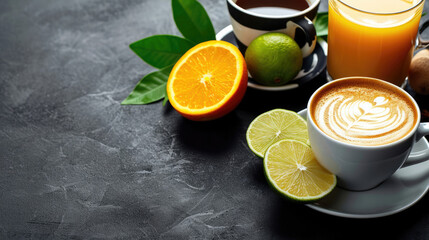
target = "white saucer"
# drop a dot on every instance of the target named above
(312, 65)
(407, 186)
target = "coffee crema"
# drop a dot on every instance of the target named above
(274, 7)
(363, 112)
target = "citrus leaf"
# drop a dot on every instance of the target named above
(161, 50)
(150, 89)
(165, 98)
(321, 24)
(192, 20)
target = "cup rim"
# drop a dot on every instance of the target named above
(379, 13)
(310, 8)
(400, 141)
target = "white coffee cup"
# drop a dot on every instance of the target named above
(362, 167)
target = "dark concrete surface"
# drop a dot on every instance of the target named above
(75, 164)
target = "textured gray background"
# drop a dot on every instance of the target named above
(75, 164)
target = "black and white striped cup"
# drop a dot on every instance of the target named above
(248, 25)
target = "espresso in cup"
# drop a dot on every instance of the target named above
(251, 18)
(273, 7)
(364, 112)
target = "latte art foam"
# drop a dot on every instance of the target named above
(364, 114)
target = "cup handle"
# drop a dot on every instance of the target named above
(422, 43)
(421, 156)
(422, 130)
(306, 25)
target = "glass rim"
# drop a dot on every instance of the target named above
(380, 13)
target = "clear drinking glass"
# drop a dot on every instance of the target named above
(372, 38)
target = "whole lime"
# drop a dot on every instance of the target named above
(273, 59)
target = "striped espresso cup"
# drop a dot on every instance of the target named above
(248, 24)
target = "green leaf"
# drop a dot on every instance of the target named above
(192, 20)
(165, 98)
(150, 89)
(161, 50)
(321, 24)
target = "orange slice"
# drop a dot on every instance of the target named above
(208, 81)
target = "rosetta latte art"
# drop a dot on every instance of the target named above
(354, 120)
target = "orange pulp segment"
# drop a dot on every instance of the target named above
(208, 81)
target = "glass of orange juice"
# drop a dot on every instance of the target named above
(372, 38)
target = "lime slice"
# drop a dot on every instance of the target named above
(293, 171)
(273, 126)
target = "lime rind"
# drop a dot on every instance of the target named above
(272, 126)
(302, 158)
(273, 59)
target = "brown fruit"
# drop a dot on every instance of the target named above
(422, 53)
(418, 75)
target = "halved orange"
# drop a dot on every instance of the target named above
(208, 81)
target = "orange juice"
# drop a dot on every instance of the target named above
(372, 38)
